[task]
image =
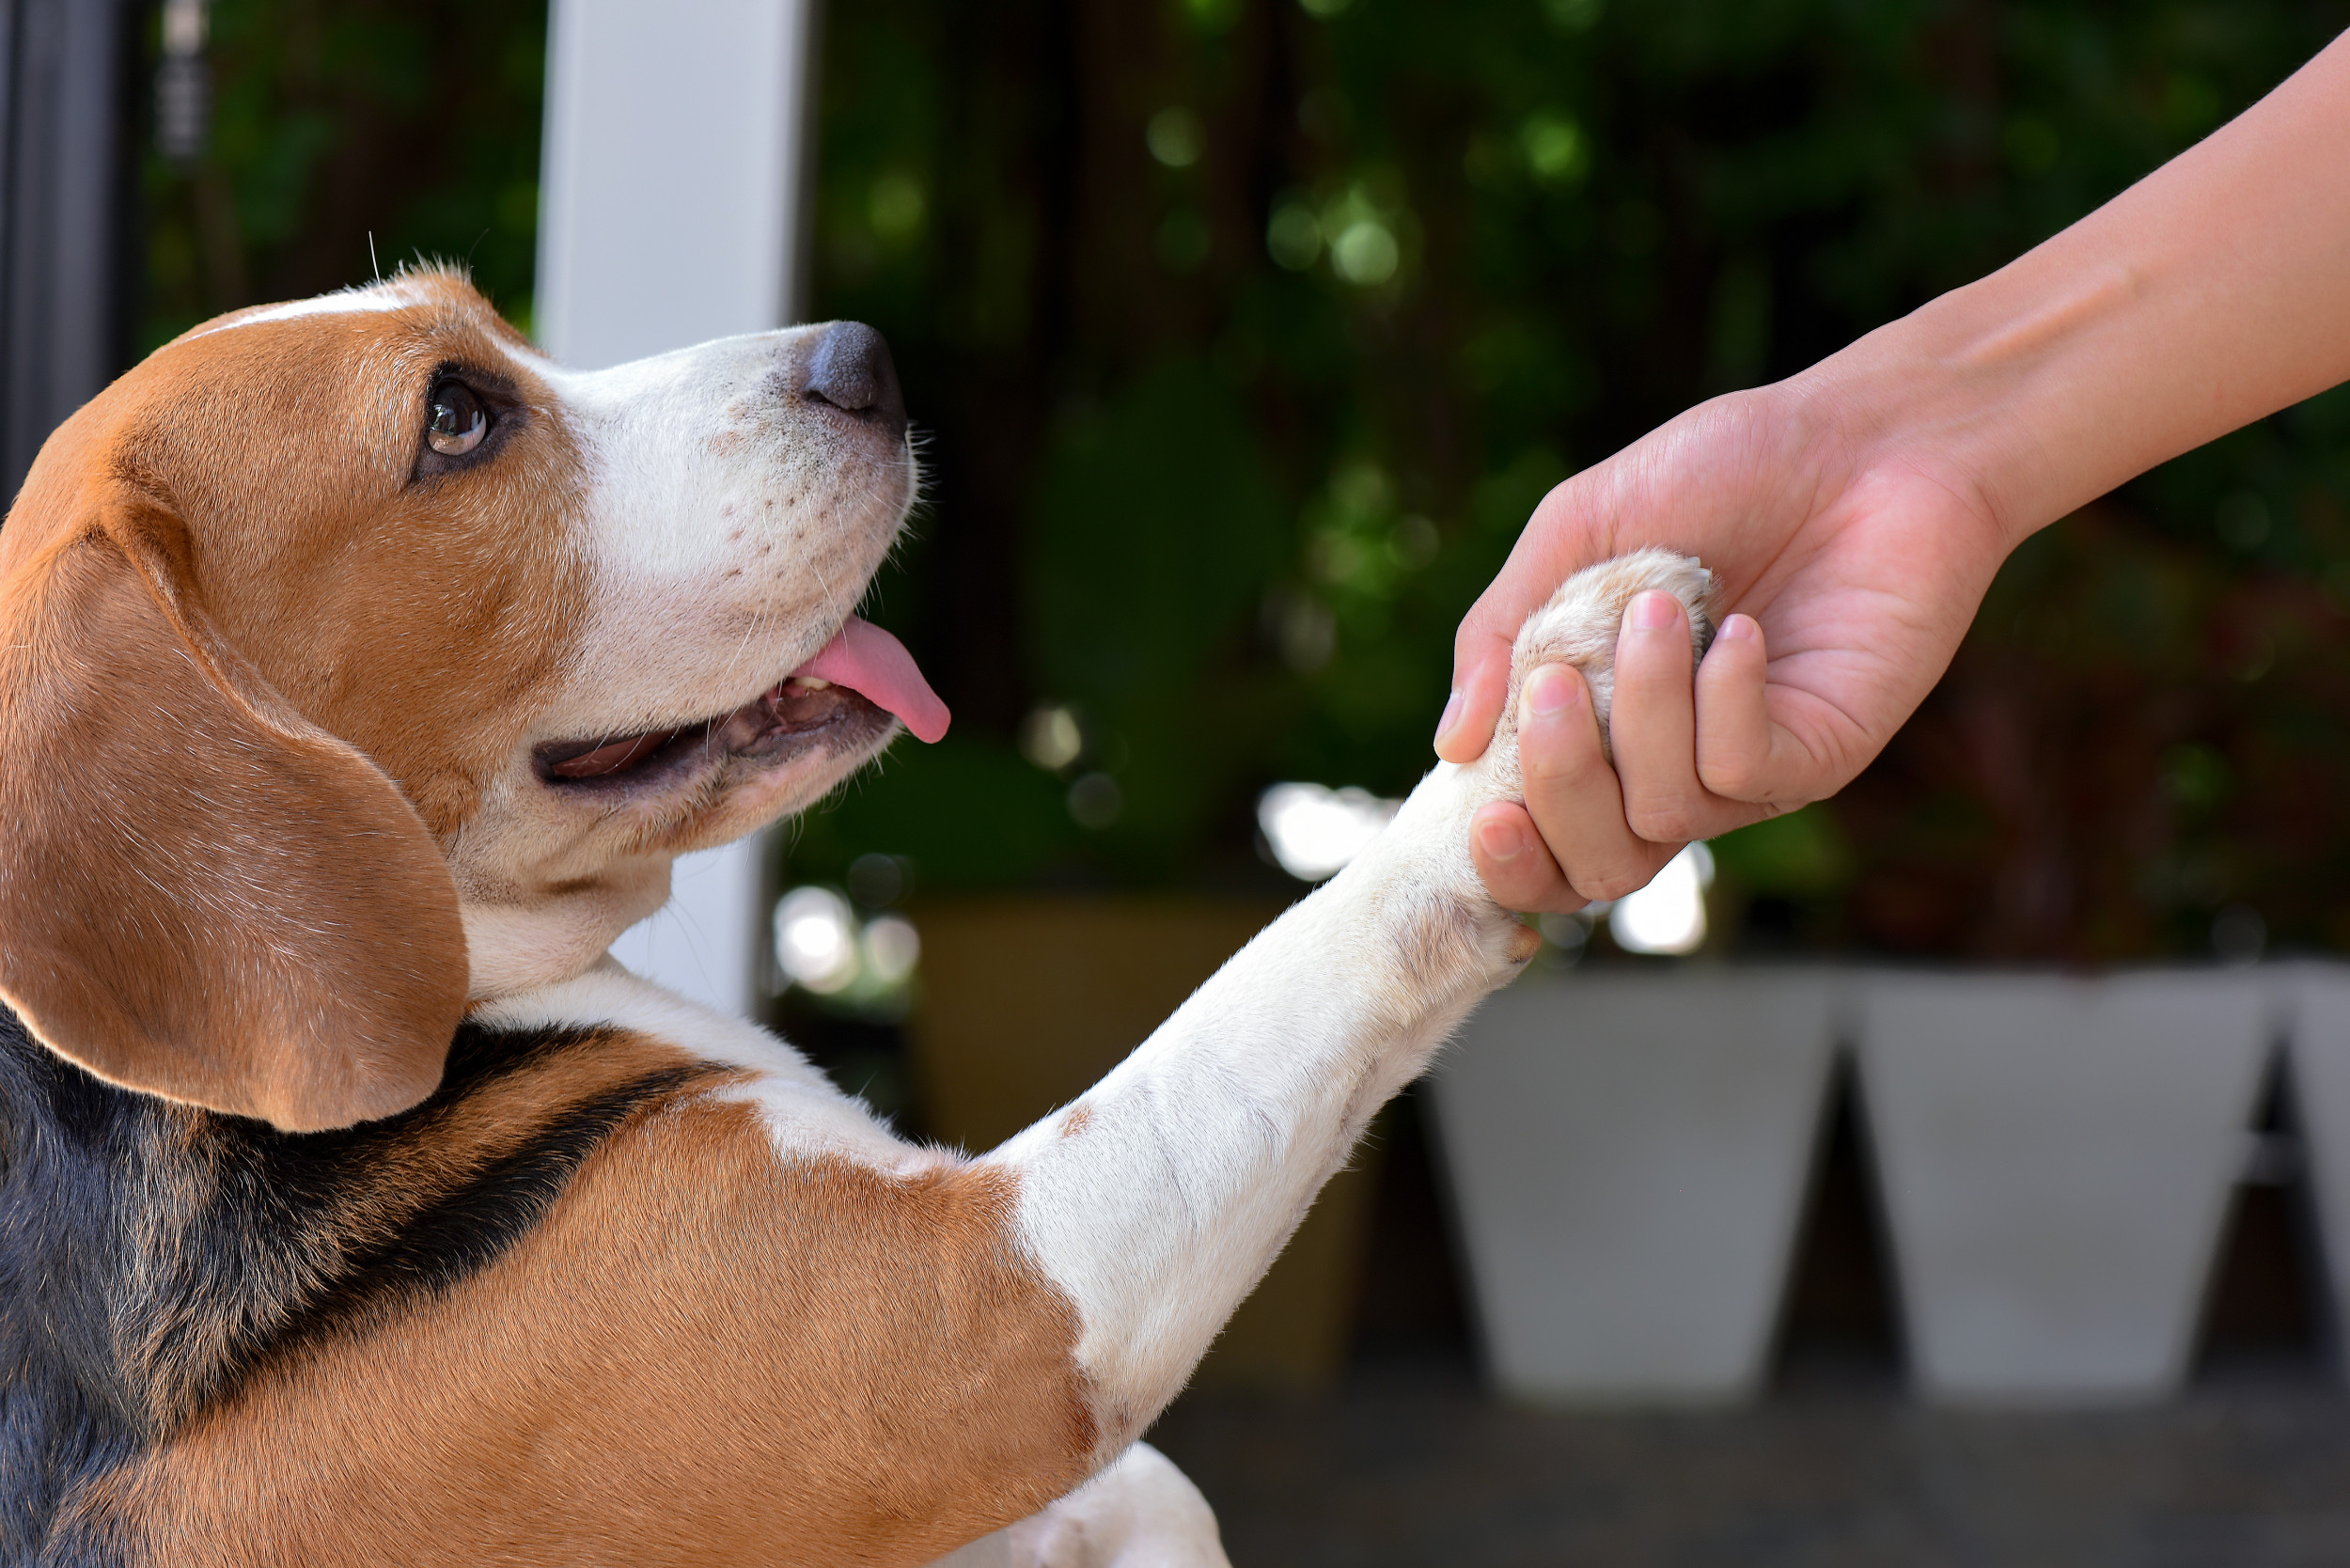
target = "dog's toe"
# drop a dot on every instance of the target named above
(1580, 624)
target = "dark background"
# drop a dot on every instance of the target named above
(1227, 501)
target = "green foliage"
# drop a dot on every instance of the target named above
(348, 136)
(1251, 333)
(1246, 334)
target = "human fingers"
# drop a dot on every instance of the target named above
(1663, 724)
(1515, 864)
(1570, 530)
(1736, 741)
(1571, 793)
(1481, 684)
(1652, 724)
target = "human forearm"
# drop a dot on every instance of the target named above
(1856, 512)
(2211, 294)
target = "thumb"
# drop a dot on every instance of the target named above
(1560, 539)
(1481, 684)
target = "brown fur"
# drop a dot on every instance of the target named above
(274, 683)
(262, 673)
(702, 1356)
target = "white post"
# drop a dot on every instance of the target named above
(670, 213)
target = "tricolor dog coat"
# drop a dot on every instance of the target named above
(362, 672)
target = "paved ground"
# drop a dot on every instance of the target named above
(1413, 1466)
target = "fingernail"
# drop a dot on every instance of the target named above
(1653, 612)
(1451, 715)
(1738, 628)
(1499, 841)
(1549, 691)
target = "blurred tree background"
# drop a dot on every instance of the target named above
(347, 136)
(1245, 335)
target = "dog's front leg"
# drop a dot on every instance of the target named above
(1158, 1200)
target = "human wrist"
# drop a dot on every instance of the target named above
(1954, 395)
(2152, 325)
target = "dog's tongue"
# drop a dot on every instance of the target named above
(876, 666)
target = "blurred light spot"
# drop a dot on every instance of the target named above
(1365, 253)
(1213, 16)
(183, 83)
(1051, 737)
(1555, 151)
(2242, 520)
(892, 948)
(1360, 485)
(1565, 936)
(2238, 934)
(816, 939)
(1293, 236)
(877, 881)
(895, 207)
(1308, 633)
(1174, 137)
(1572, 16)
(1324, 10)
(1668, 915)
(1096, 800)
(1413, 542)
(1314, 831)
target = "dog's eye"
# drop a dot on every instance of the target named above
(457, 421)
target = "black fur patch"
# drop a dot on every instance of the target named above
(151, 1255)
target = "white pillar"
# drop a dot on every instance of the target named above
(670, 213)
(670, 176)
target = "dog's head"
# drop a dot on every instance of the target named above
(354, 657)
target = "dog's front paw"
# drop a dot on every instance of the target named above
(1579, 626)
(1430, 840)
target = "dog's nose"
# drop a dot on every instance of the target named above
(851, 369)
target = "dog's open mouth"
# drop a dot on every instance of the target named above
(850, 690)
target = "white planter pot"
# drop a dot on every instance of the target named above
(2314, 1002)
(2056, 1158)
(1628, 1156)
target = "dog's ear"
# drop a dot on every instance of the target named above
(202, 894)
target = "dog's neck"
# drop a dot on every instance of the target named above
(518, 942)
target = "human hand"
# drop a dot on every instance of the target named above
(1855, 514)
(1850, 567)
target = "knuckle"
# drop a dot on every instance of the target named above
(1565, 761)
(1662, 825)
(1608, 887)
(1738, 778)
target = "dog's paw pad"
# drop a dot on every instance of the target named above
(1580, 624)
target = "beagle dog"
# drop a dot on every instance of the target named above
(362, 672)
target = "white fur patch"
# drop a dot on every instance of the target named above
(805, 1113)
(1140, 1512)
(1159, 1199)
(394, 296)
